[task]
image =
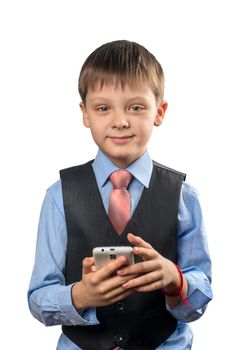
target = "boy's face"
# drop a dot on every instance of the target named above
(121, 120)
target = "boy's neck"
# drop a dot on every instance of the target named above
(123, 163)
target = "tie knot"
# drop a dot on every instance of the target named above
(120, 179)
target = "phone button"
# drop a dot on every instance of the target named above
(120, 306)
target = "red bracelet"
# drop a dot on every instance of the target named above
(177, 291)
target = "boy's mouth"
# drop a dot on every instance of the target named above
(121, 139)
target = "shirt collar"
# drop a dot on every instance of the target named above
(141, 169)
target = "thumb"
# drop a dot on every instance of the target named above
(88, 265)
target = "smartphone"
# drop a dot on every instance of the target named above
(103, 255)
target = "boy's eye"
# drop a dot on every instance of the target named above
(136, 108)
(102, 109)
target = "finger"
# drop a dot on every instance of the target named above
(120, 294)
(114, 296)
(145, 253)
(113, 286)
(88, 265)
(138, 241)
(139, 268)
(149, 287)
(107, 270)
(110, 290)
(110, 285)
(145, 280)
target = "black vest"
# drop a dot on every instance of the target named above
(141, 321)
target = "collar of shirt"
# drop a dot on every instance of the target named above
(141, 169)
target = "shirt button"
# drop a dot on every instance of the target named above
(120, 306)
(118, 338)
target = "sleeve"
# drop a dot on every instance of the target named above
(49, 298)
(193, 257)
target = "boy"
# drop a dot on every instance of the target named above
(146, 305)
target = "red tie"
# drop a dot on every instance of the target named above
(119, 206)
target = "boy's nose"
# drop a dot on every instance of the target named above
(120, 122)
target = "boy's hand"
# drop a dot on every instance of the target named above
(155, 272)
(102, 287)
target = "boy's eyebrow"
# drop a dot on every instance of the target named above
(95, 99)
(103, 98)
(138, 98)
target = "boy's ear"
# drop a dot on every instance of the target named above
(161, 109)
(85, 115)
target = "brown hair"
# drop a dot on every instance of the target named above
(122, 63)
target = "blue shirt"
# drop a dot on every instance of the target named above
(50, 299)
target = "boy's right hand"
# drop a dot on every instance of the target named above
(102, 287)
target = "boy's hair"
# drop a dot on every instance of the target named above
(122, 63)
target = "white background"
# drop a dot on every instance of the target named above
(43, 45)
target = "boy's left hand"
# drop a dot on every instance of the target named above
(155, 272)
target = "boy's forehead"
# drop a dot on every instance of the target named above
(133, 88)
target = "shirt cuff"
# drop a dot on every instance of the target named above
(82, 317)
(199, 295)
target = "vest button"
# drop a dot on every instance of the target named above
(120, 306)
(118, 339)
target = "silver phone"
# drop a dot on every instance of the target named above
(103, 255)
